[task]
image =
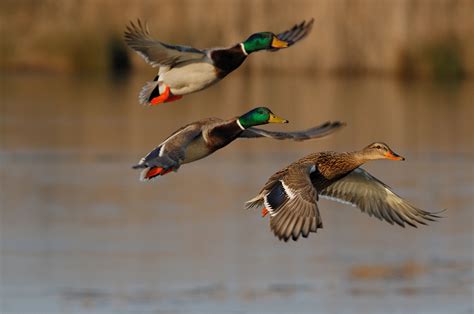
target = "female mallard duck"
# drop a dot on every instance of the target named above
(184, 70)
(290, 195)
(202, 138)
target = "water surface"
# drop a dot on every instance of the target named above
(80, 233)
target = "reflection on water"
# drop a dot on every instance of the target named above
(80, 233)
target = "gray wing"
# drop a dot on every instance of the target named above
(314, 132)
(375, 198)
(155, 52)
(171, 152)
(295, 34)
(298, 213)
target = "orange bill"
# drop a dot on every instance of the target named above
(393, 156)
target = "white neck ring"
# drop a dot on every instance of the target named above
(240, 125)
(243, 49)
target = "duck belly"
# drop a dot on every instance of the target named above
(197, 149)
(189, 78)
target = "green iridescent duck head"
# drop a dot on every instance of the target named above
(262, 41)
(259, 116)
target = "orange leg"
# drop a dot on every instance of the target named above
(173, 98)
(166, 96)
(153, 172)
(162, 98)
(264, 212)
(158, 171)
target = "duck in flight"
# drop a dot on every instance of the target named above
(290, 196)
(202, 138)
(184, 70)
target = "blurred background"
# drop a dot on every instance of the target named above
(80, 234)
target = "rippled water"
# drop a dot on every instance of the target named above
(80, 233)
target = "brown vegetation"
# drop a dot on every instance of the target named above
(411, 38)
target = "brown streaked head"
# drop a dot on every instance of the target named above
(379, 150)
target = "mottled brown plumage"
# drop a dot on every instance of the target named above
(291, 194)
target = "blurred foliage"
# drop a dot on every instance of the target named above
(119, 64)
(446, 61)
(412, 38)
(441, 61)
(88, 53)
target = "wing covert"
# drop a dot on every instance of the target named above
(156, 53)
(375, 198)
(298, 213)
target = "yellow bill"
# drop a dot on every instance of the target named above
(275, 119)
(277, 43)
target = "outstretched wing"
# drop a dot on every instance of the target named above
(375, 198)
(295, 34)
(292, 205)
(314, 132)
(156, 53)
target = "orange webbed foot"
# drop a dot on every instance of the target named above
(264, 212)
(157, 171)
(162, 98)
(153, 172)
(173, 98)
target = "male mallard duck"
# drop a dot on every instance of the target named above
(184, 70)
(290, 195)
(202, 138)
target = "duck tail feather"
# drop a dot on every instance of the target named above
(148, 92)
